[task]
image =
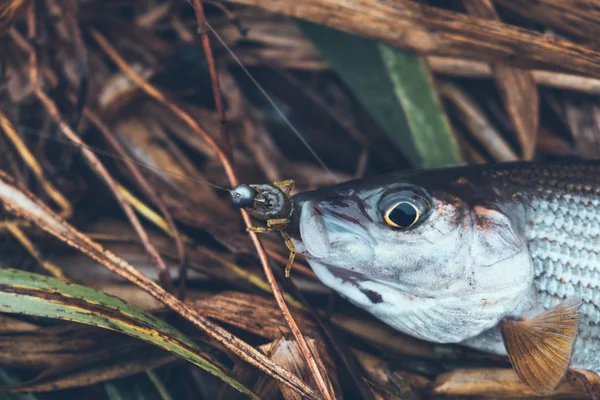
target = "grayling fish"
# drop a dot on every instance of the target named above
(503, 258)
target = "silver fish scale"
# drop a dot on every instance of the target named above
(562, 226)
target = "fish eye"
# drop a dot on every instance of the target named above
(402, 215)
(405, 207)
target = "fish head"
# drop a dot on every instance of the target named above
(428, 260)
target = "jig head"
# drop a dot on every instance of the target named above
(270, 203)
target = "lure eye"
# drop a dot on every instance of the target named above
(402, 215)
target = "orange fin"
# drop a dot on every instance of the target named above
(540, 348)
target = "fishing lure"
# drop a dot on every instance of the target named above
(504, 258)
(272, 204)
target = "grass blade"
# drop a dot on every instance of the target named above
(33, 294)
(396, 88)
(414, 87)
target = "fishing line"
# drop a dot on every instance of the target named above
(30, 131)
(272, 102)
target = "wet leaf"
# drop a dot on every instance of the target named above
(397, 90)
(32, 294)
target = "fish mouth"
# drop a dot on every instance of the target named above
(322, 230)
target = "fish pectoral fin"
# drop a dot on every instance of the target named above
(540, 348)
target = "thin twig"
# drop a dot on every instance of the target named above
(233, 180)
(140, 179)
(160, 97)
(214, 77)
(35, 167)
(17, 233)
(82, 59)
(94, 162)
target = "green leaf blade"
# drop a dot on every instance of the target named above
(396, 88)
(32, 294)
(416, 92)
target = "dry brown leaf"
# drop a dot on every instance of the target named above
(503, 383)
(264, 387)
(117, 363)
(286, 352)
(250, 312)
(395, 383)
(552, 144)
(61, 345)
(260, 315)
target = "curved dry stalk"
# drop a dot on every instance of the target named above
(17, 232)
(214, 80)
(91, 157)
(71, 9)
(214, 77)
(35, 167)
(477, 123)
(24, 204)
(10, 11)
(233, 180)
(160, 97)
(139, 177)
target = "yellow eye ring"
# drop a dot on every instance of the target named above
(402, 215)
